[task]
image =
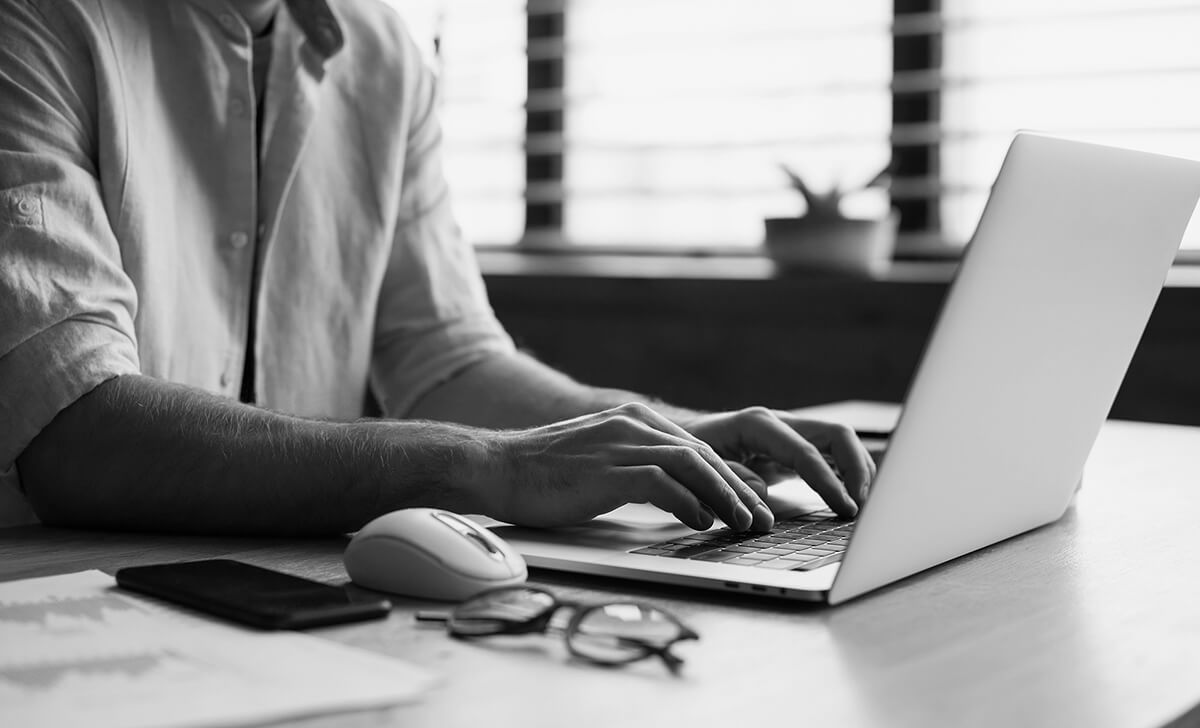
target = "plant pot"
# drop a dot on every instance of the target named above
(841, 245)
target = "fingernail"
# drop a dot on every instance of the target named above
(763, 517)
(743, 517)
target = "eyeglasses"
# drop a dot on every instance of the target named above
(609, 633)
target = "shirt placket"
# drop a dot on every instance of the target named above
(239, 208)
(290, 109)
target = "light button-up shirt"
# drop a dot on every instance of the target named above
(130, 187)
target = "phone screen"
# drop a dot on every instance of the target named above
(250, 594)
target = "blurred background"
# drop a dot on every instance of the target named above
(614, 160)
(662, 123)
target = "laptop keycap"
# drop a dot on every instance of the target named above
(800, 544)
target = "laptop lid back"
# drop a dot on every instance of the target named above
(1031, 346)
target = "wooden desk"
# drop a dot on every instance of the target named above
(1093, 621)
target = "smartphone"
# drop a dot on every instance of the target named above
(250, 594)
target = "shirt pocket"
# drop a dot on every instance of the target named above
(21, 209)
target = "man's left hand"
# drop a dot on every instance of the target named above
(829, 457)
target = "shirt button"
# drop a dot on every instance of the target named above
(237, 107)
(26, 207)
(224, 379)
(239, 240)
(228, 22)
(262, 230)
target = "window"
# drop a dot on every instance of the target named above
(679, 113)
(1121, 72)
(662, 123)
(478, 50)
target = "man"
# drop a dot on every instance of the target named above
(203, 201)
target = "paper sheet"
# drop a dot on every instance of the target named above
(76, 651)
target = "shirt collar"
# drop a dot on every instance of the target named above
(314, 18)
(319, 24)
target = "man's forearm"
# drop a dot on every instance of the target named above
(519, 391)
(138, 453)
(141, 454)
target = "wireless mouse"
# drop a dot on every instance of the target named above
(431, 554)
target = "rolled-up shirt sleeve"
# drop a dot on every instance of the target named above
(433, 317)
(66, 305)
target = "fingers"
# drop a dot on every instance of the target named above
(765, 433)
(752, 499)
(850, 455)
(688, 467)
(635, 436)
(684, 475)
(693, 463)
(764, 517)
(652, 484)
(756, 481)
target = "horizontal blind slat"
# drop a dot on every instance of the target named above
(1121, 72)
(481, 94)
(678, 114)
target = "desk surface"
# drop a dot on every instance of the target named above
(1092, 621)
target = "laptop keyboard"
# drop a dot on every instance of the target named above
(796, 544)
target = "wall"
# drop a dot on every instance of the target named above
(728, 342)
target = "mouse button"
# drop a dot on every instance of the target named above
(384, 525)
(397, 567)
(471, 532)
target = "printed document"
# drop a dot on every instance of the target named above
(76, 651)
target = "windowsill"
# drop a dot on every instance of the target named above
(748, 266)
(716, 266)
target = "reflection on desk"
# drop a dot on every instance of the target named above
(1090, 621)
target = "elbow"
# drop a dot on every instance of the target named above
(47, 487)
(60, 471)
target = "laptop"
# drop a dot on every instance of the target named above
(1033, 340)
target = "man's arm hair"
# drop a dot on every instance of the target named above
(138, 453)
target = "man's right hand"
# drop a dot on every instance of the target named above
(571, 471)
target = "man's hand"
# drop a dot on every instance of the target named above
(805, 446)
(578, 468)
(571, 471)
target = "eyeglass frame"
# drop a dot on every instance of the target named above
(540, 624)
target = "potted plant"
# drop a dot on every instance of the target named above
(825, 238)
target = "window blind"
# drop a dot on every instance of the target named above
(676, 114)
(663, 122)
(1122, 72)
(478, 50)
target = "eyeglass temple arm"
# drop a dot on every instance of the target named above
(670, 659)
(538, 624)
(425, 615)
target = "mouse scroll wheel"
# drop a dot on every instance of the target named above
(470, 531)
(487, 545)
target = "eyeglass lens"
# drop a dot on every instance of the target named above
(494, 612)
(613, 633)
(622, 632)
